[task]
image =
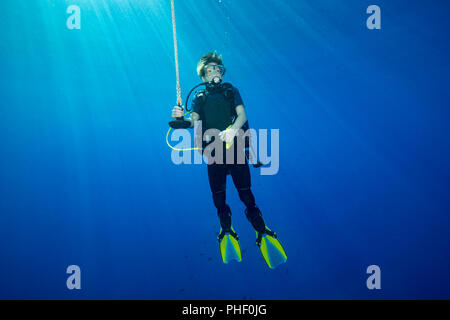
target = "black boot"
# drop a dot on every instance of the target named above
(225, 223)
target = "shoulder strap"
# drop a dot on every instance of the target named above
(228, 90)
(229, 95)
(200, 97)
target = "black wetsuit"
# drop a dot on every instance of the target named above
(216, 107)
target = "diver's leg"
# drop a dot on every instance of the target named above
(217, 174)
(241, 178)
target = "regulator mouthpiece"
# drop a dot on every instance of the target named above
(216, 80)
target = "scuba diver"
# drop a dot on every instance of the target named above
(219, 106)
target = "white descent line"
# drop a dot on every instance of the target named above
(179, 102)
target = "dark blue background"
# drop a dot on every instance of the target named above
(86, 177)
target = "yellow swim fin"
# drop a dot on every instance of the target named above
(229, 246)
(271, 248)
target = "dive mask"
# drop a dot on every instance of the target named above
(211, 69)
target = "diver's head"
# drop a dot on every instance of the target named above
(210, 68)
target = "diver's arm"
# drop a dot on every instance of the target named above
(241, 117)
(193, 118)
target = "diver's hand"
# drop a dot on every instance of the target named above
(177, 112)
(228, 135)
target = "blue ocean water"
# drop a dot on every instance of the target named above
(86, 177)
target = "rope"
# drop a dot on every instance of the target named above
(179, 101)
